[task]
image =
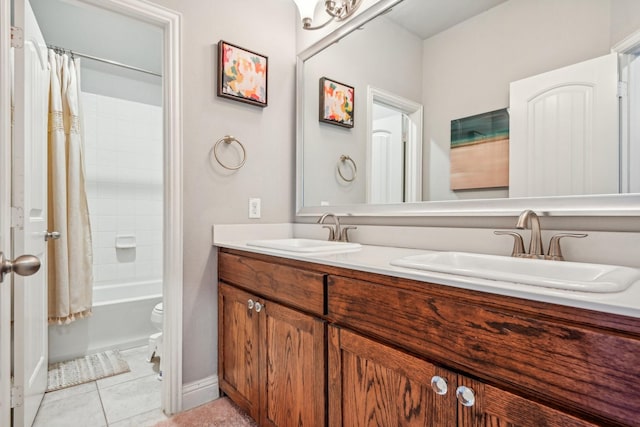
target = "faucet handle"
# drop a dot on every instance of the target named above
(555, 253)
(518, 244)
(332, 233)
(344, 237)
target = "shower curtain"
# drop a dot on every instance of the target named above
(70, 258)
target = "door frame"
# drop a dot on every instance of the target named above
(171, 23)
(413, 138)
(629, 94)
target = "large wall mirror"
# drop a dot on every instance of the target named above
(471, 107)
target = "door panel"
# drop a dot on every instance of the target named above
(5, 210)
(29, 196)
(293, 367)
(564, 131)
(371, 384)
(238, 348)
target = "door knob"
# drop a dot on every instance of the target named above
(466, 396)
(51, 235)
(24, 265)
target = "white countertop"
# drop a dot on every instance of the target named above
(376, 259)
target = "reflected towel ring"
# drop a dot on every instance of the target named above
(228, 139)
(344, 158)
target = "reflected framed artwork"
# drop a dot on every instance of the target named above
(480, 151)
(337, 103)
(242, 74)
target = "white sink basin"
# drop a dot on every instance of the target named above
(573, 276)
(305, 246)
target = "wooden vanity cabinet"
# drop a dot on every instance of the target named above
(271, 357)
(372, 384)
(370, 345)
(527, 362)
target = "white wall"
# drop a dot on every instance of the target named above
(468, 68)
(123, 164)
(354, 61)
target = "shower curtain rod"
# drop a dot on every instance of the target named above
(106, 61)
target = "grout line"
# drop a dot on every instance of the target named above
(104, 413)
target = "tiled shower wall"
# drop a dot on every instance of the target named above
(123, 163)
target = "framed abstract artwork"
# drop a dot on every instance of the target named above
(336, 103)
(242, 74)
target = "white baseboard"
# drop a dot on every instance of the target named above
(200, 392)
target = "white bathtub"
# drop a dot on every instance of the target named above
(120, 319)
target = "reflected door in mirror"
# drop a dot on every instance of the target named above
(564, 131)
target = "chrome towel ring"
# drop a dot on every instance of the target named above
(343, 159)
(228, 139)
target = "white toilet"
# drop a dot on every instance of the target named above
(155, 340)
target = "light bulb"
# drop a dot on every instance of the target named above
(306, 8)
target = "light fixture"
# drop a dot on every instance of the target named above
(336, 9)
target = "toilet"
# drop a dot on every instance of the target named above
(155, 339)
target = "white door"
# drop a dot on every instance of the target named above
(29, 198)
(387, 156)
(564, 131)
(5, 212)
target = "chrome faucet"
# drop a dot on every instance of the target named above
(530, 219)
(334, 232)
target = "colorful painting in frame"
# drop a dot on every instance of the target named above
(480, 151)
(336, 103)
(242, 74)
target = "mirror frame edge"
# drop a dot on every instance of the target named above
(589, 205)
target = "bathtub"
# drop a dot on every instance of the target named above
(120, 320)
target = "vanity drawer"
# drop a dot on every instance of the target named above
(590, 370)
(289, 285)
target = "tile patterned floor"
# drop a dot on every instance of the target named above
(125, 400)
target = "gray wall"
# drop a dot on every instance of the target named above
(382, 55)
(625, 19)
(211, 194)
(468, 68)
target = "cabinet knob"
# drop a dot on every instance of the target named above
(439, 385)
(250, 304)
(259, 307)
(466, 396)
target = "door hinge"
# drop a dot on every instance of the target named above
(17, 217)
(623, 89)
(17, 396)
(17, 39)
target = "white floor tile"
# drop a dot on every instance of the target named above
(77, 410)
(148, 419)
(125, 400)
(136, 358)
(69, 391)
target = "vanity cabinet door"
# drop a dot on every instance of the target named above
(371, 384)
(481, 405)
(271, 359)
(238, 342)
(292, 368)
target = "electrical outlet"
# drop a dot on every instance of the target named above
(254, 208)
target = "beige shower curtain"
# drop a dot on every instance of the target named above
(70, 258)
